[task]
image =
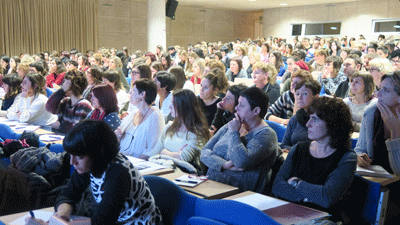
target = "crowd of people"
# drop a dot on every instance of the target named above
(190, 105)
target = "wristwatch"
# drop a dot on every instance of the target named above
(295, 182)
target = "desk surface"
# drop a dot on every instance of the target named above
(279, 214)
(11, 217)
(209, 188)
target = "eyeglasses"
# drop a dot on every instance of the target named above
(395, 61)
(372, 69)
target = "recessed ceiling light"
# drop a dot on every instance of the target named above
(333, 28)
(283, 4)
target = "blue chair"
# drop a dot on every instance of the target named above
(179, 207)
(366, 203)
(353, 142)
(278, 128)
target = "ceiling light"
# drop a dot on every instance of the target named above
(283, 4)
(396, 26)
(333, 28)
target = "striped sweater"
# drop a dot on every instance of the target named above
(68, 115)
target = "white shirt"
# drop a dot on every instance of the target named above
(32, 110)
(140, 140)
(165, 110)
(122, 98)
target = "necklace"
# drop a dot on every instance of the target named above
(140, 122)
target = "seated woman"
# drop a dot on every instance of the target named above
(29, 106)
(115, 63)
(189, 67)
(12, 87)
(275, 58)
(165, 84)
(112, 78)
(184, 138)
(362, 89)
(243, 159)
(305, 92)
(208, 98)
(284, 107)
(181, 81)
(104, 102)
(56, 73)
(198, 71)
(166, 61)
(320, 56)
(226, 107)
(154, 68)
(379, 140)
(236, 70)
(140, 131)
(330, 78)
(241, 52)
(264, 78)
(254, 58)
(121, 195)
(68, 102)
(83, 62)
(319, 173)
(94, 77)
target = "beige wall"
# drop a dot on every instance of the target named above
(123, 24)
(195, 24)
(356, 17)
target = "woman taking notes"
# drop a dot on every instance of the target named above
(121, 195)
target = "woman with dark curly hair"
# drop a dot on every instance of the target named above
(68, 102)
(319, 173)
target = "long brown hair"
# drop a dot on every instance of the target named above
(188, 113)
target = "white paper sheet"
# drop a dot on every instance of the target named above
(261, 202)
(50, 137)
(39, 214)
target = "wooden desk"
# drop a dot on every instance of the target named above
(282, 216)
(159, 172)
(7, 219)
(209, 189)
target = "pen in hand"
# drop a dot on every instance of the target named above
(32, 214)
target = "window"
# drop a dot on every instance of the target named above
(320, 29)
(386, 26)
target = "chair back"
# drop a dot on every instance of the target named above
(278, 128)
(364, 202)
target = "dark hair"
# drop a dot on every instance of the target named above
(113, 77)
(78, 81)
(60, 66)
(336, 62)
(94, 139)
(256, 98)
(179, 74)
(166, 80)
(218, 53)
(395, 77)
(14, 84)
(267, 46)
(236, 90)
(384, 49)
(199, 52)
(148, 86)
(157, 66)
(373, 45)
(107, 98)
(357, 60)
(7, 60)
(97, 74)
(300, 53)
(144, 70)
(73, 62)
(41, 67)
(239, 61)
(338, 119)
(37, 82)
(85, 60)
(356, 52)
(189, 114)
(278, 59)
(313, 85)
(168, 58)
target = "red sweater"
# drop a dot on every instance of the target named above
(54, 79)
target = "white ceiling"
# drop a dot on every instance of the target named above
(255, 5)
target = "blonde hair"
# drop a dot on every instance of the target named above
(267, 68)
(256, 56)
(382, 64)
(190, 65)
(118, 62)
(243, 48)
(201, 63)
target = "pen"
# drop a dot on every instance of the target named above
(32, 215)
(187, 181)
(56, 137)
